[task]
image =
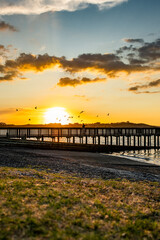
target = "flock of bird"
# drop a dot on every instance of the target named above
(108, 114)
(17, 110)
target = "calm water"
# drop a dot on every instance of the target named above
(149, 156)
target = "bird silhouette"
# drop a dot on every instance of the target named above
(35, 107)
(17, 110)
(81, 112)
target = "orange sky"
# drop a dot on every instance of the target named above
(100, 59)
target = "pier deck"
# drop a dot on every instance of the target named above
(136, 137)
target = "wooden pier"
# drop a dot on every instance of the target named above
(131, 137)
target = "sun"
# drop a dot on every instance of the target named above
(56, 115)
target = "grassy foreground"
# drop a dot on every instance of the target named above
(40, 205)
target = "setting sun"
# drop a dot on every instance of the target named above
(56, 115)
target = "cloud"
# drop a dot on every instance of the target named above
(10, 7)
(30, 62)
(150, 51)
(82, 97)
(9, 74)
(147, 92)
(7, 27)
(6, 111)
(109, 64)
(136, 88)
(147, 54)
(139, 60)
(13, 69)
(134, 40)
(3, 50)
(63, 82)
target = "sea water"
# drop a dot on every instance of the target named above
(148, 156)
(151, 156)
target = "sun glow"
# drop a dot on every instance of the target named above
(56, 115)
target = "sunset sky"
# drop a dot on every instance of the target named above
(96, 56)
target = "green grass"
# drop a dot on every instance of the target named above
(40, 205)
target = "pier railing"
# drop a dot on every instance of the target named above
(146, 137)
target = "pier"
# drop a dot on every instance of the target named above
(125, 137)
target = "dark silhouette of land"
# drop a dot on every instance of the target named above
(97, 124)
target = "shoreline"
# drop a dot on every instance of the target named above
(134, 158)
(84, 164)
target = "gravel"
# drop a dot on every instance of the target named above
(92, 165)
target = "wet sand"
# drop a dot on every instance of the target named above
(84, 164)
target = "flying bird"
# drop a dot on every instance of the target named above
(108, 114)
(16, 110)
(35, 107)
(81, 112)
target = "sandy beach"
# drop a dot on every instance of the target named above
(84, 164)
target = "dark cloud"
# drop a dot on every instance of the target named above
(155, 83)
(126, 48)
(63, 82)
(145, 55)
(109, 64)
(150, 51)
(6, 26)
(137, 59)
(13, 69)
(32, 62)
(9, 74)
(134, 40)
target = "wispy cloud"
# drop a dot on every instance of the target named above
(27, 7)
(63, 82)
(152, 84)
(7, 27)
(134, 40)
(82, 97)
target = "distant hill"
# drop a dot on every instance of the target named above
(121, 125)
(98, 124)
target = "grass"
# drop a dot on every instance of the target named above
(40, 205)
